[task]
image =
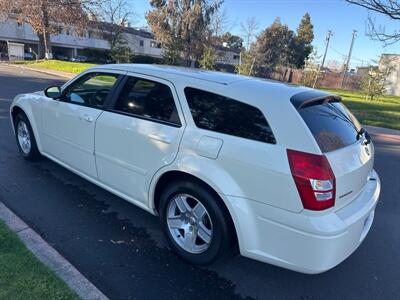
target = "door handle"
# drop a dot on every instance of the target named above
(160, 138)
(86, 117)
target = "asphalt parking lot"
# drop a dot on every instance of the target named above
(120, 248)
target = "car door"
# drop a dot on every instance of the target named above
(138, 134)
(69, 123)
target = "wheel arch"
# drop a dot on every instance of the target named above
(172, 175)
(19, 107)
(15, 110)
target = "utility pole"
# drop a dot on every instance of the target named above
(346, 67)
(327, 40)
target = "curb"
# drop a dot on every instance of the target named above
(50, 257)
(54, 73)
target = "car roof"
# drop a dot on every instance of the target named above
(229, 84)
(199, 74)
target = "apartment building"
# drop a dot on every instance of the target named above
(228, 56)
(16, 40)
(393, 87)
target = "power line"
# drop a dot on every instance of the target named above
(337, 52)
(344, 55)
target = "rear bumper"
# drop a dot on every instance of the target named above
(306, 242)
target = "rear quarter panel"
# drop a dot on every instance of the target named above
(246, 168)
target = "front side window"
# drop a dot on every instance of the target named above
(148, 99)
(91, 90)
(225, 115)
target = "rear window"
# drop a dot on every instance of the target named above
(225, 115)
(332, 125)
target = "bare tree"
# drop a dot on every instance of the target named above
(389, 8)
(219, 22)
(49, 16)
(114, 15)
(249, 30)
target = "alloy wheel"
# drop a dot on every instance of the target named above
(24, 138)
(189, 223)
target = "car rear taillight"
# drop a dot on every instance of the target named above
(314, 179)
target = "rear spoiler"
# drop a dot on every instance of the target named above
(312, 97)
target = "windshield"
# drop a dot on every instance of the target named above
(332, 125)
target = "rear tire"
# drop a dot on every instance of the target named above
(25, 138)
(195, 222)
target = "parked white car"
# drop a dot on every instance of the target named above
(284, 172)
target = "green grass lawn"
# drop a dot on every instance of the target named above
(58, 65)
(23, 276)
(383, 112)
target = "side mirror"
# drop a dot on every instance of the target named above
(53, 92)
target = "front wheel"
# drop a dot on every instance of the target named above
(195, 222)
(25, 138)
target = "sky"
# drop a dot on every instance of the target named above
(335, 15)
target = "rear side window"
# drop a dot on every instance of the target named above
(148, 99)
(225, 115)
(332, 125)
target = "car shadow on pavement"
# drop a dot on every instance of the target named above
(121, 248)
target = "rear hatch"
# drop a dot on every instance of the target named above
(341, 139)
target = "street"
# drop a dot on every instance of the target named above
(120, 248)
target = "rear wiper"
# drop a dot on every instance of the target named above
(359, 132)
(343, 116)
(367, 137)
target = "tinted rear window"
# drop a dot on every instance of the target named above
(225, 115)
(332, 125)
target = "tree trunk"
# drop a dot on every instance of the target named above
(41, 47)
(44, 36)
(41, 50)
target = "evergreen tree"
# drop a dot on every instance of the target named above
(305, 31)
(233, 41)
(120, 52)
(208, 59)
(247, 64)
(304, 39)
(275, 46)
(172, 54)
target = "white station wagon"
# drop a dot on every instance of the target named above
(284, 172)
